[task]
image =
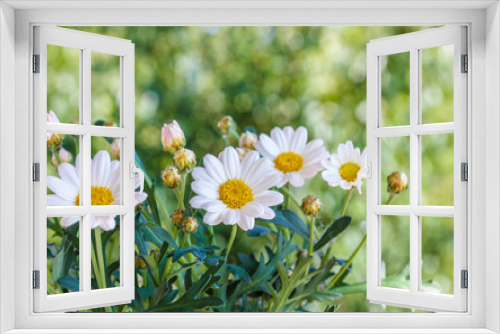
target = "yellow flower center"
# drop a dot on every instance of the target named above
(98, 196)
(288, 162)
(235, 193)
(349, 171)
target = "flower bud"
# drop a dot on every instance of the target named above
(184, 158)
(301, 253)
(155, 254)
(248, 140)
(397, 182)
(54, 140)
(139, 263)
(177, 217)
(189, 225)
(115, 148)
(110, 124)
(54, 161)
(225, 124)
(242, 152)
(64, 155)
(171, 177)
(311, 205)
(172, 137)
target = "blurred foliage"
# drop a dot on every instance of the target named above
(266, 77)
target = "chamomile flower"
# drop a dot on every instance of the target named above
(342, 168)
(105, 188)
(234, 192)
(294, 158)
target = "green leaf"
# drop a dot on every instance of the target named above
(338, 226)
(158, 236)
(239, 273)
(190, 305)
(139, 164)
(150, 190)
(139, 242)
(70, 283)
(290, 220)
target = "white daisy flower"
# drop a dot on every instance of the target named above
(234, 192)
(294, 158)
(105, 182)
(342, 168)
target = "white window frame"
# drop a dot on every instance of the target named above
(483, 21)
(86, 44)
(413, 44)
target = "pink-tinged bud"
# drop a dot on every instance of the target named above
(75, 121)
(115, 148)
(242, 151)
(248, 140)
(54, 140)
(177, 216)
(189, 225)
(184, 159)
(65, 156)
(139, 263)
(311, 205)
(225, 124)
(172, 137)
(109, 124)
(54, 161)
(171, 177)
(397, 182)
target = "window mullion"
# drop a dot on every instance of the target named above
(414, 171)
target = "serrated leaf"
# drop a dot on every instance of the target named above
(290, 220)
(258, 230)
(338, 226)
(239, 272)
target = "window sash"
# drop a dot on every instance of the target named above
(413, 43)
(86, 43)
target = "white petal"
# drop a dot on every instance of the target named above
(269, 198)
(246, 223)
(100, 168)
(296, 179)
(345, 185)
(268, 213)
(299, 140)
(267, 147)
(107, 223)
(231, 162)
(310, 170)
(65, 190)
(288, 131)
(212, 218)
(248, 162)
(280, 139)
(140, 197)
(259, 170)
(199, 201)
(283, 180)
(214, 206)
(317, 154)
(68, 221)
(230, 216)
(331, 176)
(54, 200)
(200, 174)
(204, 189)
(114, 178)
(269, 181)
(252, 209)
(67, 173)
(214, 168)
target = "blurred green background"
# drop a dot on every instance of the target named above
(277, 76)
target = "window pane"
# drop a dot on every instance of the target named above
(105, 89)
(105, 171)
(395, 251)
(63, 83)
(437, 169)
(395, 89)
(395, 158)
(63, 255)
(437, 254)
(63, 175)
(105, 252)
(437, 84)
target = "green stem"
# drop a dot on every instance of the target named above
(100, 257)
(96, 268)
(183, 189)
(231, 239)
(54, 153)
(346, 202)
(391, 197)
(286, 191)
(347, 264)
(234, 133)
(311, 236)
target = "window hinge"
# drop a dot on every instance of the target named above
(465, 64)
(36, 172)
(36, 279)
(465, 279)
(464, 172)
(36, 63)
